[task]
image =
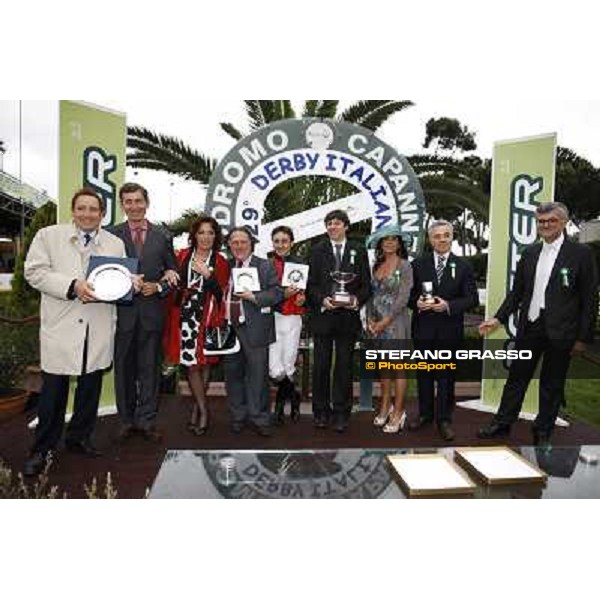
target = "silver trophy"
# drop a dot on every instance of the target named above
(340, 296)
(427, 293)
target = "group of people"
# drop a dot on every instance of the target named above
(180, 296)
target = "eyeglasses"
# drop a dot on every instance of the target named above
(549, 221)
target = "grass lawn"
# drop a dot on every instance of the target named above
(583, 400)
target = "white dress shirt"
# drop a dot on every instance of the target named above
(543, 271)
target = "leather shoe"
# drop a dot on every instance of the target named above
(236, 427)
(35, 464)
(493, 430)
(321, 421)
(341, 425)
(151, 434)
(446, 431)
(84, 447)
(262, 430)
(419, 423)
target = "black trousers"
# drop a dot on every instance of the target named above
(441, 407)
(555, 365)
(137, 364)
(336, 398)
(52, 406)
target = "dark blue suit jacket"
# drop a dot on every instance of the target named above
(457, 287)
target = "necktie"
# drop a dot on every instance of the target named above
(87, 239)
(439, 271)
(338, 256)
(138, 240)
(235, 306)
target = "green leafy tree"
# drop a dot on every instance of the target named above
(448, 134)
(577, 185)
(25, 299)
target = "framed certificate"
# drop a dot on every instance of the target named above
(111, 277)
(430, 475)
(498, 466)
(295, 274)
(245, 279)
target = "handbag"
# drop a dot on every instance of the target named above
(219, 339)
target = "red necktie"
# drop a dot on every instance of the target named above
(138, 240)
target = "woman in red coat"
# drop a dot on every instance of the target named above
(196, 303)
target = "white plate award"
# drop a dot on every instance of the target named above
(111, 277)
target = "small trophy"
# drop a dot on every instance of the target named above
(427, 293)
(340, 296)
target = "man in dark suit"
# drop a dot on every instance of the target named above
(140, 324)
(250, 313)
(555, 292)
(335, 326)
(439, 325)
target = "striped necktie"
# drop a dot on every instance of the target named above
(439, 270)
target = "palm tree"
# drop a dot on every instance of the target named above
(449, 184)
(150, 150)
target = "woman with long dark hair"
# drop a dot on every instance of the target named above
(197, 303)
(388, 318)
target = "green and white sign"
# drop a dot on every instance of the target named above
(387, 189)
(92, 153)
(92, 144)
(523, 173)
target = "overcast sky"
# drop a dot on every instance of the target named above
(577, 123)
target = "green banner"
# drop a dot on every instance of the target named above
(92, 142)
(92, 153)
(523, 173)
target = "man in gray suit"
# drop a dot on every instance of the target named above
(250, 313)
(140, 324)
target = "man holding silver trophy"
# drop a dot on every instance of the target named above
(77, 322)
(444, 289)
(338, 285)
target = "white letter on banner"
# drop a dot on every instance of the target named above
(97, 168)
(253, 153)
(221, 193)
(525, 191)
(523, 230)
(281, 144)
(229, 172)
(353, 146)
(376, 155)
(393, 165)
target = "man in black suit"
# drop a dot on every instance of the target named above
(555, 292)
(334, 326)
(140, 324)
(439, 325)
(251, 314)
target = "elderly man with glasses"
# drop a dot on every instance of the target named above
(555, 294)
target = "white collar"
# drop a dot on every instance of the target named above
(94, 236)
(446, 256)
(555, 245)
(245, 263)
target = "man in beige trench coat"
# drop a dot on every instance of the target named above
(76, 333)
